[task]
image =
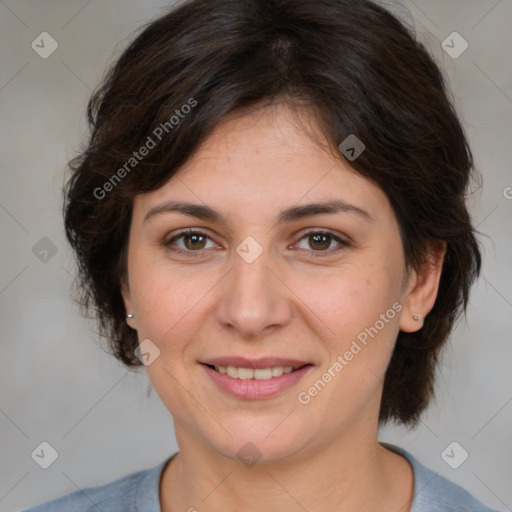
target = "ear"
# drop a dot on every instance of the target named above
(127, 299)
(421, 289)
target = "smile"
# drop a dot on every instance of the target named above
(270, 378)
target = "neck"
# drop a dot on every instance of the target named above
(342, 476)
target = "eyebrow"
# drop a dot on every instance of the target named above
(291, 214)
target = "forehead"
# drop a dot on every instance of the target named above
(262, 161)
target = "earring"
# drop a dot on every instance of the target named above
(131, 315)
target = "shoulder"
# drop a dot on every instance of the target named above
(134, 492)
(433, 492)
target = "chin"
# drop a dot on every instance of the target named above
(260, 440)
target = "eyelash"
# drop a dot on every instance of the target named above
(319, 254)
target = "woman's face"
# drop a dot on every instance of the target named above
(268, 278)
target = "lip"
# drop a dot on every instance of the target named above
(255, 389)
(263, 362)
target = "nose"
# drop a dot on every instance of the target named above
(254, 299)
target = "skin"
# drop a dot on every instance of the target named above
(323, 456)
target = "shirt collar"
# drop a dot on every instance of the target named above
(147, 495)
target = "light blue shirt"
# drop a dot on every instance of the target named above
(139, 492)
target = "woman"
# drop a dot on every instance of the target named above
(270, 217)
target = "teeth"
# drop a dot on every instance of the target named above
(262, 373)
(245, 373)
(258, 374)
(277, 371)
(232, 372)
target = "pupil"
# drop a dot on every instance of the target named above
(195, 239)
(326, 240)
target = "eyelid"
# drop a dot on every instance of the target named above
(187, 231)
(325, 231)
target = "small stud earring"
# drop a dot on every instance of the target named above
(130, 315)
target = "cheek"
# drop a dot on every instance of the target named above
(170, 305)
(348, 299)
(166, 299)
(358, 309)
(358, 329)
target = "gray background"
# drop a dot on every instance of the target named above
(57, 383)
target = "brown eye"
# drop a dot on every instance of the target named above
(190, 242)
(194, 241)
(320, 242)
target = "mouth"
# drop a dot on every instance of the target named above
(255, 378)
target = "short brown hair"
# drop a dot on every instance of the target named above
(356, 67)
